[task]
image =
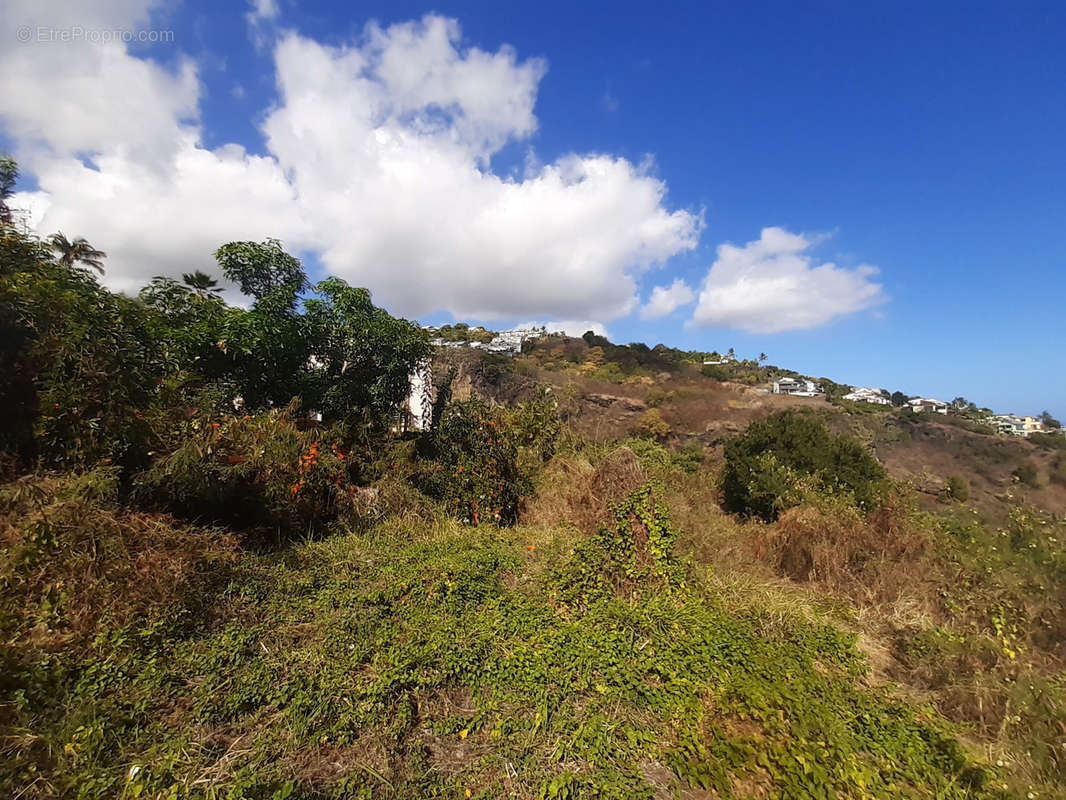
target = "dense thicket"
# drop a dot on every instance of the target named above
(94, 376)
(767, 466)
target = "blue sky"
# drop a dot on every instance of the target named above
(923, 139)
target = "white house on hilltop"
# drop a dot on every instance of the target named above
(1015, 425)
(861, 394)
(920, 404)
(800, 387)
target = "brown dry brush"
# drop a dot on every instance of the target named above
(70, 562)
(573, 493)
(871, 558)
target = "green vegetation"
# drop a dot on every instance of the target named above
(229, 572)
(1027, 473)
(768, 468)
(461, 332)
(427, 661)
(957, 489)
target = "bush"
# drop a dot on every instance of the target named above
(535, 425)
(1027, 473)
(1058, 471)
(957, 489)
(770, 466)
(1049, 441)
(653, 425)
(260, 472)
(475, 469)
(658, 395)
(632, 554)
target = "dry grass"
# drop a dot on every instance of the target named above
(573, 492)
(72, 563)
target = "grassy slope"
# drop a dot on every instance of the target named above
(425, 660)
(419, 658)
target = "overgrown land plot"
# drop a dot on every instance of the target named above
(604, 571)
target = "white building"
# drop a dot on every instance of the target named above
(1016, 425)
(800, 387)
(861, 394)
(511, 341)
(920, 404)
(420, 398)
(726, 359)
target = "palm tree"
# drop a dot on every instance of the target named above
(203, 284)
(762, 357)
(77, 251)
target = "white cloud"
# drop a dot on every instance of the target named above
(88, 97)
(667, 299)
(262, 18)
(378, 162)
(773, 285)
(571, 327)
(263, 10)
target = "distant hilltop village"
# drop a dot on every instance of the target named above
(719, 366)
(509, 342)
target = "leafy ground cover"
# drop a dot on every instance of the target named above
(438, 660)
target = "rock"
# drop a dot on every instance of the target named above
(606, 400)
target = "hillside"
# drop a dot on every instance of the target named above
(229, 571)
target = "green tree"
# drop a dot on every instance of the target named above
(765, 465)
(362, 357)
(263, 270)
(1049, 421)
(9, 173)
(899, 399)
(78, 251)
(89, 357)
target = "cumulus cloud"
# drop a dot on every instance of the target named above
(89, 97)
(667, 299)
(773, 285)
(378, 162)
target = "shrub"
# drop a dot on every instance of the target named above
(653, 425)
(1027, 473)
(655, 459)
(475, 469)
(632, 554)
(768, 467)
(611, 373)
(657, 396)
(252, 473)
(1049, 441)
(957, 489)
(535, 425)
(1058, 471)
